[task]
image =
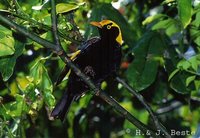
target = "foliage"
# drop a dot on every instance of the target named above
(161, 60)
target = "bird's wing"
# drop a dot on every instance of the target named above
(83, 49)
(66, 70)
(88, 43)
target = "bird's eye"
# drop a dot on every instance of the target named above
(108, 26)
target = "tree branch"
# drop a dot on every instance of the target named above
(54, 25)
(112, 102)
(173, 105)
(157, 123)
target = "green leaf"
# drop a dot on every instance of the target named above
(196, 22)
(47, 36)
(163, 24)
(185, 11)
(150, 19)
(161, 90)
(7, 67)
(194, 30)
(172, 29)
(170, 25)
(143, 70)
(183, 64)
(42, 80)
(178, 81)
(49, 99)
(36, 73)
(197, 40)
(189, 80)
(47, 87)
(67, 7)
(6, 42)
(8, 63)
(173, 73)
(106, 11)
(195, 62)
(16, 108)
(197, 85)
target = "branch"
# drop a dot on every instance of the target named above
(195, 99)
(54, 24)
(112, 102)
(173, 105)
(157, 123)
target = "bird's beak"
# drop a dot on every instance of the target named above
(97, 24)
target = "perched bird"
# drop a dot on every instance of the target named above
(98, 57)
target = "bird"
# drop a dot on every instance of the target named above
(98, 58)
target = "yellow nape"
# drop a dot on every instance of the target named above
(119, 37)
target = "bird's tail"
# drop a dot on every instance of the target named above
(62, 107)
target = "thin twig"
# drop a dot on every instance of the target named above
(173, 105)
(144, 128)
(157, 123)
(16, 6)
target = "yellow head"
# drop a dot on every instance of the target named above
(108, 24)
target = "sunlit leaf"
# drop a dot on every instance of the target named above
(195, 62)
(194, 30)
(172, 74)
(23, 82)
(185, 11)
(46, 35)
(6, 42)
(192, 63)
(183, 64)
(36, 73)
(172, 29)
(197, 85)
(196, 22)
(163, 24)
(67, 7)
(41, 79)
(8, 63)
(170, 25)
(16, 108)
(189, 80)
(153, 18)
(13, 88)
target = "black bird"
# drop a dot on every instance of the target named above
(98, 57)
